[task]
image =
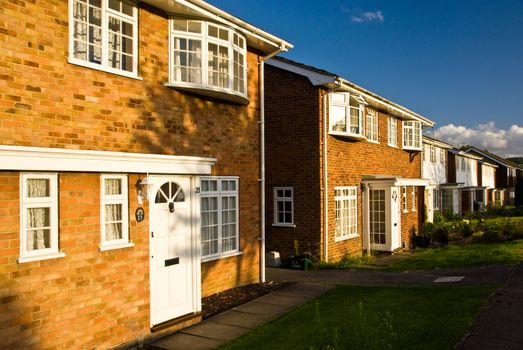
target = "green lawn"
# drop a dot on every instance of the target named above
(455, 256)
(359, 317)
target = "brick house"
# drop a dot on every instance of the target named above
(505, 175)
(129, 166)
(343, 165)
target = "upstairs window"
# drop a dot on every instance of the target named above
(412, 135)
(432, 154)
(346, 114)
(207, 56)
(371, 125)
(392, 133)
(103, 35)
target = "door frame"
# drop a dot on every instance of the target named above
(154, 182)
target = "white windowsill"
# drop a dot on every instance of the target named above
(348, 135)
(211, 91)
(221, 256)
(40, 257)
(116, 246)
(372, 141)
(405, 210)
(283, 225)
(101, 68)
(408, 148)
(345, 238)
(391, 145)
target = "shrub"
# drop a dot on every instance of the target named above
(492, 237)
(441, 234)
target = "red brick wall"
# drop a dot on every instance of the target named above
(46, 102)
(294, 158)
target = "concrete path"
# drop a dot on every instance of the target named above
(497, 274)
(500, 326)
(233, 323)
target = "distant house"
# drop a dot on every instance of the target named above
(506, 176)
(129, 166)
(435, 170)
(343, 165)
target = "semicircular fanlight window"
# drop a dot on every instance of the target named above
(169, 192)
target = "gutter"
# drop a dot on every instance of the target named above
(283, 47)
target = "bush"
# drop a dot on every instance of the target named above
(492, 237)
(441, 234)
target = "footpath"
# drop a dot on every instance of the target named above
(500, 325)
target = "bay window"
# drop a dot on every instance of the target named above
(103, 35)
(207, 57)
(412, 135)
(346, 114)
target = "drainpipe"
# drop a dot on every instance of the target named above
(282, 48)
(325, 175)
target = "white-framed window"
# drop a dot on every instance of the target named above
(435, 199)
(442, 156)
(38, 217)
(346, 114)
(413, 194)
(371, 125)
(432, 154)
(114, 212)
(283, 206)
(207, 56)
(220, 217)
(346, 212)
(447, 199)
(103, 34)
(404, 197)
(412, 135)
(392, 131)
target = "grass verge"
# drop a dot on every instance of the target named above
(456, 256)
(362, 317)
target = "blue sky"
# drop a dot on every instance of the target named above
(457, 62)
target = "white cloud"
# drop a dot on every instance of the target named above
(357, 15)
(506, 143)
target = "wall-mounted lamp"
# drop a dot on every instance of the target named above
(141, 189)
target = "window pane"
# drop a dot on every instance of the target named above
(38, 188)
(113, 231)
(338, 120)
(38, 239)
(113, 186)
(113, 212)
(38, 217)
(180, 24)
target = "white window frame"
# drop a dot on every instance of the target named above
(413, 194)
(219, 194)
(236, 45)
(284, 199)
(106, 13)
(413, 128)
(343, 197)
(435, 199)
(433, 154)
(348, 108)
(50, 202)
(372, 125)
(121, 199)
(392, 131)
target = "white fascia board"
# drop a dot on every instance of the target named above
(437, 143)
(316, 79)
(201, 8)
(19, 158)
(484, 155)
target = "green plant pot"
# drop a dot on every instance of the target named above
(299, 262)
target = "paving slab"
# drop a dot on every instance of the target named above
(478, 342)
(241, 319)
(254, 307)
(215, 330)
(183, 342)
(282, 299)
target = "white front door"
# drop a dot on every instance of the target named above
(384, 218)
(173, 272)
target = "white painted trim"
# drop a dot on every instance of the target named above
(121, 199)
(283, 225)
(22, 260)
(220, 256)
(345, 238)
(56, 159)
(107, 247)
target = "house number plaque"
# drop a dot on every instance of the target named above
(139, 214)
